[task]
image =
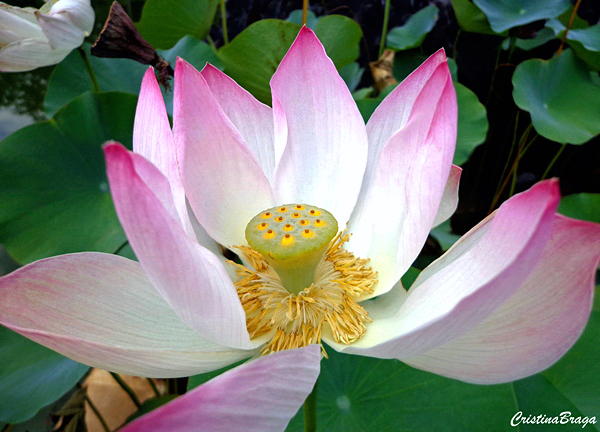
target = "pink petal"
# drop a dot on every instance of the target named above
(538, 324)
(402, 193)
(476, 276)
(262, 396)
(450, 197)
(320, 136)
(223, 180)
(252, 119)
(189, 277)
(153, 139)
(102, 310)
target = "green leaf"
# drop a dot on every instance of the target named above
(70, 78)
(367, 394)
(54, 195)
(506, 14)
(584, 41)
(444, 235)
(31, 376)
(164, 22)
(253, 56)
(559, 94)
(584, 206)
(543, 36)
(472, 123)
(412, 33)
(296, 18)
(341, 37)
(470, 17)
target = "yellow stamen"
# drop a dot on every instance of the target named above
(297, 320)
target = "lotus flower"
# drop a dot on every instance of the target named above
(31, 38)
(506, 301)
(236, 400)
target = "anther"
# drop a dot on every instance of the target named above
(287, 240)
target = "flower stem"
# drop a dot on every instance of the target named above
(386, 18)
(95, 409)
(554, 159)
(310, 411)
(304, 12)
(564, 38)
(224, 22)
(127, 389)
(90, 71)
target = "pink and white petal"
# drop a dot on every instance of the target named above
(450, 197)
(398, 204)
(252, 119)
(223, 180)
(538, 324)
(29, 54)
(153, 139)
(259, 396)
(319, 131)
(102, 310)
(395, 111)
(475, 277)
(189, 277)
(60, 31)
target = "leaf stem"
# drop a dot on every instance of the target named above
(386, 19)
(90, 71)
(127, 389)
(97, 412)
(520, 152)
(304, 11)
(310, 411)
(554, 159)
(153, 386)
(224, 23)
(571, 18)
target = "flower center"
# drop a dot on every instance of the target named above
(301, 283)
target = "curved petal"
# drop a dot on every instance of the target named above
(80, 13)
(17, 24)
(399, 201)
(252, 119)
(223, 181)
(60, 31)
(450, 196)
(153, 139)
(320, 137)
(261, 396)
(102, 310)
(477, 275)
(538, 324)
(189, 277)
(28, 54)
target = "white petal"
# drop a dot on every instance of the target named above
(102, 310)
